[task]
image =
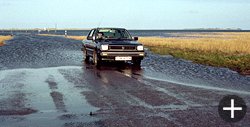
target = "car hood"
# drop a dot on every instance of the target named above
(118, 42)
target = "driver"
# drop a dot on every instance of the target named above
(100, 36)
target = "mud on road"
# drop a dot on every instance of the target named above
(44, 82)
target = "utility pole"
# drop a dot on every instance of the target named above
(55, 27)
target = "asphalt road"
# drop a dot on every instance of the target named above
(45, 83)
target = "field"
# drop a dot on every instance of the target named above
(230, 50)
(4, 38)
(229, 43)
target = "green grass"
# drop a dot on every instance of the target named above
(240, 63)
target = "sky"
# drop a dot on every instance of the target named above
(131, 14)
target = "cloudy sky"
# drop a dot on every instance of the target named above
(132, 14)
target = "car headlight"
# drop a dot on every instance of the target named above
(140, 48)
(104, 47)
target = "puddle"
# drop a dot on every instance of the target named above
(51, 95)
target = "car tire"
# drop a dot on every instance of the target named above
(86, 55)
(137, 63)
(96, 60)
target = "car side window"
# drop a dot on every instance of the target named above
(91, 33)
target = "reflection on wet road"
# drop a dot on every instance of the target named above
(44, 83)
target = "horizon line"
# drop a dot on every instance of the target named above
(125, 28)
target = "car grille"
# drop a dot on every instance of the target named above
(122, 48)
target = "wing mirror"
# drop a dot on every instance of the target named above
(136, 38)
(91, 38)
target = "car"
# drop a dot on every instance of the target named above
(112, 44)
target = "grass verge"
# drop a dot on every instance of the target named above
(239, 63)
(77, 37)
(3, 39)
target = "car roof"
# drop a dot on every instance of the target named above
(110, 28)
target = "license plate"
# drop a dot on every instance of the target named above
(119, 58)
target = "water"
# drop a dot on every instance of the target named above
(140, 33)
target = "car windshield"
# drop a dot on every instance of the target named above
(113, 34)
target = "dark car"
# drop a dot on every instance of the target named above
(112, 44)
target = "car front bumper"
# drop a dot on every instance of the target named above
(108, 55)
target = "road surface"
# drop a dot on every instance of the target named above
(45, 83)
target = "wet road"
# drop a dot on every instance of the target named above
(44, 82)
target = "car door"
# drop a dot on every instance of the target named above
(90, 43)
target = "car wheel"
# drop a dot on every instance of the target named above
(96, 60)
(86, 55)
(137, 63)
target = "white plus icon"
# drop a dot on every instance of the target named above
(232, 108)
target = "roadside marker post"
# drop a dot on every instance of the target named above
(66, 34)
